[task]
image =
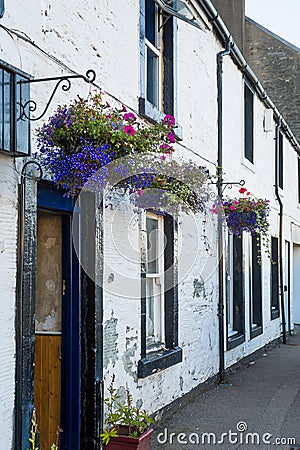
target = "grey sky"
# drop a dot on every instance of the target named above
(281, 17)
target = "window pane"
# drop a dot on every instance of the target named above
(248, 122)
(152, 78)
(22, 124)
(274, 274)
(7, 111)
(152, 245)
(149, 307)
(150, 21)
(49, 273)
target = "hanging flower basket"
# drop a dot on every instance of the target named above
(246, 213)
(91, 141)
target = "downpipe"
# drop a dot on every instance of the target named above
(281, 279)
(220, 58)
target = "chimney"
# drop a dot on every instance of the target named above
(233, 14)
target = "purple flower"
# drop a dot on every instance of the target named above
(171, 138)
(129, 116)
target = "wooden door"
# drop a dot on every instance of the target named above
(48, 327)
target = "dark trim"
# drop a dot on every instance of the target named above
(2, 8)
(275, 314)
(25, 309)
(235, 340)
(256, 331)
(248, 123)
(256, 290)
(159, 361)
(48, 197)
(274, 279)
(89, 407)
(171, 279)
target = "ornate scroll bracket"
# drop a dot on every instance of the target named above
(229, 184)
(30, 176)
(63, 81)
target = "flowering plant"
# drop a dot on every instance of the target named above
(90, 140)
(245, 213)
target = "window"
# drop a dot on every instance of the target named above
(14, 127)
(248, 123)
(1, 8)
(274, 279)
(279, 162)
(234, 291)
(255, 288)
(159, 304)
(157, 61)
(154, 282)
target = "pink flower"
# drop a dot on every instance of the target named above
(242, 190)
(232, 208)
(171, 138)
(124, 109)
(140, 192)
(163, 157)
(129, 116)
(165, 147)
(129, 130)
(236, 202)
(169, 120)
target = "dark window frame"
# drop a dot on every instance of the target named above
(238, 301)
(279, 161)
(172, 354)
(248, 122)
(14, 132)
(255, 289)
(169, 81)
(2, 8)
(274, 279)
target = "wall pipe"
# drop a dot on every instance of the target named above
(281, 279)
(220, 58)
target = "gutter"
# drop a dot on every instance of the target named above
(238, 58)
(220, 58)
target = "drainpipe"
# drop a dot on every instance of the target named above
(220, 57)
(281, 280)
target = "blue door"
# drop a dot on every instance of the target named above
(57, 324)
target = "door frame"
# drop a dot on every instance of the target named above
(45, 194)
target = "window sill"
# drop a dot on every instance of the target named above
(256, 331)
(248, 164)
(275, 314)
(149, 111)
(235, 340)
(159, 361)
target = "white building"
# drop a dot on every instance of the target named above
(62, 334)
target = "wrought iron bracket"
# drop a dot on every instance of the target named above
(63, 81)
(32, 177)
(229, 184)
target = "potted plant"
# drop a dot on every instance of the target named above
(89, 143)
(246, 213)
(126, 426)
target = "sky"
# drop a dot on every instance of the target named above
(280, 16)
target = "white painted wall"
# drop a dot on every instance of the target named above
(104, 36)
(296, 284)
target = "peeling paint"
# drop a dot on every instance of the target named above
(110, 342)
(129, 357)
(181, 381)
(199, 288)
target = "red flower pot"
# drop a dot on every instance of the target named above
(130, 443)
